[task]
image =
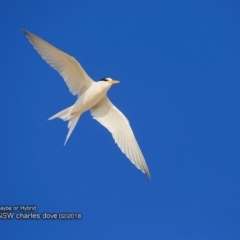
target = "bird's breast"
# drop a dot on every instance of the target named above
(89, 98)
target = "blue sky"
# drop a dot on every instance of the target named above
(178, 63)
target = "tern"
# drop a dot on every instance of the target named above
(91, 96)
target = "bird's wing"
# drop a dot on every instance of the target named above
(112, 119)
(69, 68)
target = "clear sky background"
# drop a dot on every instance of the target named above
(178, 63)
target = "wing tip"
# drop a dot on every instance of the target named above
(24, 31)
(147, 173)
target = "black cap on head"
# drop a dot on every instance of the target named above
(105, 79)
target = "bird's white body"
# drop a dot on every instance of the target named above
(91, 96)
(88, 99)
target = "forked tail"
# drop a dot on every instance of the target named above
(65, 115)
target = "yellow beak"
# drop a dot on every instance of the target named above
(113, 82)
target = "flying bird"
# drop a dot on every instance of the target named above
(91, 96)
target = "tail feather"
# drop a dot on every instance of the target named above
(71, 125)
(66, 115)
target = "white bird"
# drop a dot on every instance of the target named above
(91, 96)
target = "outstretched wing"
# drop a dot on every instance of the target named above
(69, 68)
(112, 119)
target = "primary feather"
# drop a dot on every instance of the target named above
(69, 68)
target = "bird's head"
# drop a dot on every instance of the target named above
(108, 80)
